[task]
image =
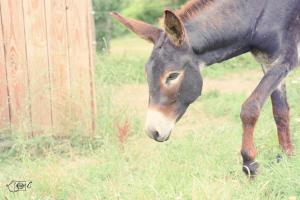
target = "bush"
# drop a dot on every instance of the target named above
(147, 10)
(103, 22)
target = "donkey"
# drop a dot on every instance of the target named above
(204, 32)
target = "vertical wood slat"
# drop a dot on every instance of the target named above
(79, 60)
(43, 40)
(4, 107)
(59, 66)
(16, 63)
(37, 55)
(92, 50)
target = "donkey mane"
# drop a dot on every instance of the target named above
(192, 8)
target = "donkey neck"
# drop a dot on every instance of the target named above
(221, 31)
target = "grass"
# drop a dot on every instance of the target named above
(200, 161)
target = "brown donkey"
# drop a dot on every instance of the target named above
(204, 32)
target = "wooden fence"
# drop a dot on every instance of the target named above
(47, 66)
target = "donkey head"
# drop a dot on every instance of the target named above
(172, 72)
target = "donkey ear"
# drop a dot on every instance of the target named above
(142, 29)
(174, 28)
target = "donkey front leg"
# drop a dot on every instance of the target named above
(249, 115)
(281, 116)
(251, 110)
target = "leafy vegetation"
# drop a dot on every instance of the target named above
(146, 10)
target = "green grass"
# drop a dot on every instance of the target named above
(200, 161)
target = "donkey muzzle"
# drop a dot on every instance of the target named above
(158, 126)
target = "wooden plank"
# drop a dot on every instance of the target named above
(79, 60)
(92, 51)
(16, 63)
(4, 107)
(59, 65)
(38, 67)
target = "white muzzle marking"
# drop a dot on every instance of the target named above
(158, 126)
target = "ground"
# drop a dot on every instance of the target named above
(200, 161)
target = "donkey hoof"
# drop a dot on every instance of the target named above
(250, 168)
(278, 158)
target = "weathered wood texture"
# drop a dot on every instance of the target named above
(47, 66)
(79, 59)
(16, 63)
(4, 107)
(59, 64)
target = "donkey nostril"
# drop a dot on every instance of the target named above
(155, 135)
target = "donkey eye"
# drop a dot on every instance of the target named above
(172, 77)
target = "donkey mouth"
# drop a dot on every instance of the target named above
(158, 126)
(155, 135)
(157, 138)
